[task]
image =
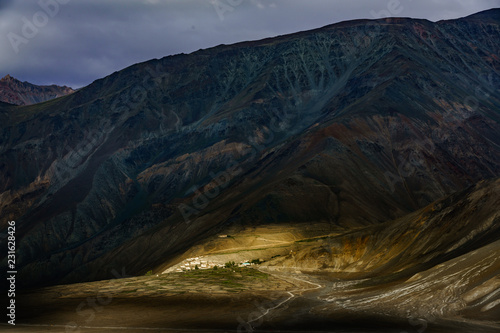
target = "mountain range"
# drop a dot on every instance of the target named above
(13, 91)
(373, 144)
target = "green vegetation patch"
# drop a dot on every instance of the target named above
(221, 276)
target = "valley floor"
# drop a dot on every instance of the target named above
(223, 300)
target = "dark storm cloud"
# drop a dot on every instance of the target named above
(5, 3)
(77, 41)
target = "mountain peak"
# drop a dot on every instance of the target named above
(7, 78)
(16, 92)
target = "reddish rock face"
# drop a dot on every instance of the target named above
(16, 92)
(352, 125)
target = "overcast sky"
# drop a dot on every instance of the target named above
(74, 42)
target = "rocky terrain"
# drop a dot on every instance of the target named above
(15, 92)
(352, 125)
(344, 138)
(433, 270)
(440, 264)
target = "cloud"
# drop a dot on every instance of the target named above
(5, 4)
(89, 39)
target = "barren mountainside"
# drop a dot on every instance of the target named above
(351, 126)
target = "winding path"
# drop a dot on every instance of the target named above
(291, 293)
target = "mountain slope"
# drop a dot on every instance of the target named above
(350, 125)
(383, 278)
(448, 228)
(16, 92)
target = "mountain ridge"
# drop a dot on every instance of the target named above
(349, 126)
(257, 42)
(15, 92)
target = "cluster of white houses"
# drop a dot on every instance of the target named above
(201, 263)
(193, 263)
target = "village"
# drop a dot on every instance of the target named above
(205, 263)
